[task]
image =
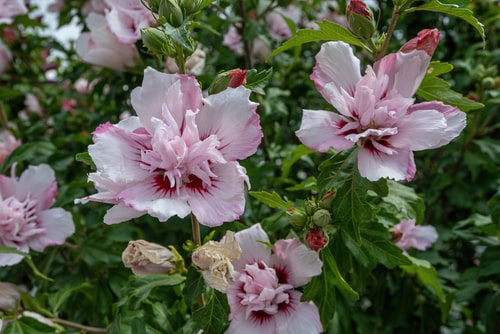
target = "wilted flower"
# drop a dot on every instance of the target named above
(414, 236)
(179, 155)
(214, 260)
(10, 294)
(376, 111)
(146, 258)
(11, 8)
(263, 298)
(8, 143)
(26, 219)
(100, 47)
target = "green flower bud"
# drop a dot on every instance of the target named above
(170, 10)
(488, 83)
(360, 18)
(326, 201)
(296, 217)
(231, 78)
(310, 207)
(193, 6)
(321, 218)
(157, 42)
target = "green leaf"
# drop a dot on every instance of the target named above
(194, 287)
(328, 31)
(12, 250)
(321, 289)
(273, 199)
(213, 317)
(34, 152)
(453, 10)
(141, 287)
(9, 93)
(494, 209)
(257, 80)
(292, 157)
(426, 274)
(57, 299)
(403, 202)
(27, 325)
(85, 158)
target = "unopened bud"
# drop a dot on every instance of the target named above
(214, 260)
(146, 258)
(297, 218)
(488, 83)
(193, 6)
(360, 18)
(326, 201)
(322, 218)
(231, 78)
(157, 42)
(310, 207)
(316, 240)
(426, 40)
(170, 10)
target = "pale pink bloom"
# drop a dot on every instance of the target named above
(8, 143)
(414, 236)
(94, 6)
(83, 86)
(376, 111)
(277, 26)
(27, 220)
(232, 39)
(11, 8)
(262, 297)
(100, 47)
(179, 155)
(33, 104)
(5, 57)
(126, 18)
(195, 63)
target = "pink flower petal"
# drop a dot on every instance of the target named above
(58, 225)
(252, 249)
(375, 165)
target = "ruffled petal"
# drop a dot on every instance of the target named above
(223, 200)
(120, 213)
(375, 165)
(322, 130)
(58, 225)
(178, 92)
(232, 117)
(336, 65)
(299, 262)
(303, 320)
(242, 325)
(252, 248)
(39, 183)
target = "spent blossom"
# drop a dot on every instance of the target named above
(376, 111)
(409, 235)
(27, 220)
(263, 297)
(179, 155)
(146, 258)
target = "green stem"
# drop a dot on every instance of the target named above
(3, 118)
(83, 328)
(246, 43)
(195, 226)
(180, 59)
(394, 19)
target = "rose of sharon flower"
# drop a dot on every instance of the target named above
(11, 8)
(179, 155)
(414, 236)
(100, 47)
(5, 58)
(8, 143)
(277, 26)
(146, 258)
(214, 260)
(27, 220)
(126, 18)
(376, 111)
(263, 298)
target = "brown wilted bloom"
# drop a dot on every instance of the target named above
(146, 258)
(214, 260)
(10, 294)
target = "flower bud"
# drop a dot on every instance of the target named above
(297, 218)
(326, 201)
(316, 239)
(193, 6)
(360, 18)
(10, 294)
(488, 83)
(157, 42)
(170, 10)
(231, 78)
(146, 258)
(321, 218)
(426, 40)
(310, 207)
(214, 260)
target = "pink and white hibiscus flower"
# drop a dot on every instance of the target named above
(27, 220)
(8, 143)
(126, 18)
(376, 111)
(262, 297)
(179, 155)
(410, 235)
(100, 47)
(11, 8)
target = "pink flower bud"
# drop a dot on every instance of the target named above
(237, 78)
(360, 19)
(316, 239)
(360, 8)
(426, 40)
